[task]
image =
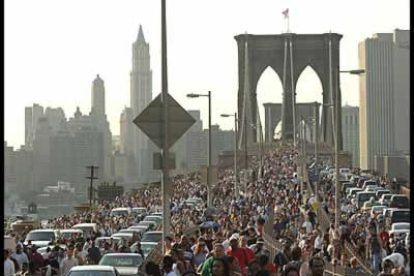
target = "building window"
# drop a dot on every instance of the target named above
(346, 120)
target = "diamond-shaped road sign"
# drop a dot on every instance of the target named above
(150, 121)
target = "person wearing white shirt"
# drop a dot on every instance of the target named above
(68, 262)
(8, 265)
(318, 245)
(20, 256)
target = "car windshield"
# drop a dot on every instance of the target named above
(91, 273)
(40, 236)
(121, 260)
(119, 213)
(397, 215)
(402, 227)
(153, 237)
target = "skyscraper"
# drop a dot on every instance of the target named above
(383, 85)
(350, 132)
(98, 96)
(141, 96)
(32, 116)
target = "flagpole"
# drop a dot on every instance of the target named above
(288, 24)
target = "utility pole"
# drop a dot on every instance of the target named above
(92, 177)
(166, 183)
(245, 154)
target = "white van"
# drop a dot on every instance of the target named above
(42, 237)
(121, 211)
(87, 228)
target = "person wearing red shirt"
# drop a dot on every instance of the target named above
(36, 258)
(239, 253)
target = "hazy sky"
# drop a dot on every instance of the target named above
(54, 49)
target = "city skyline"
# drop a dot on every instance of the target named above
(66, 56)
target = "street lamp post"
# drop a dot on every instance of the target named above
(236, 186)
(209, 188)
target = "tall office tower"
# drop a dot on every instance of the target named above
(350, 132)
(126, 131)
(99, 120)
(384, 58)
(62, 160)
(9, 156)
(141, 96)
(32, 116)
(401, 41)
(23, 169)
(56, 118)
(98, 96)
(41, 154)
(88, 148)
(88, 151)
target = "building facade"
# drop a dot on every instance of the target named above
(377, 97)
(141, 96)
(350, 132)
(32, 116)
(401, 40)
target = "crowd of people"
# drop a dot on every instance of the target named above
(230, 237)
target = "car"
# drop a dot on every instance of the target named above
(344, 171)
(93, 270)
(68, 233)
(361, 181)
(156, 219)
(352, 192)
(139, 210)
(101, 240)
(142, 228)
(152, 236)
(377, 210)
(398, 215)
(122, 211)
(369, 183)
(128, 237)
(347, 185)
(362, 197)
(87, 228)
(156, 214)
(151, 224)
(380, 192)
(127, 264)
(385, 199)
(42, 237)
(137, 233)
(399, 201)
(370, 188)
(399, 226)
(146, 247)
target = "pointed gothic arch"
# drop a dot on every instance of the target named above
(288, 54)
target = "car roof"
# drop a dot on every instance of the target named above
(153, 232)
(122, 254)
(84, 224)
(70, 230)
(43, 230)
(148, 242)
(120, 209)
(93, 267)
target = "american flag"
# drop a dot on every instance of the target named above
(286, 13)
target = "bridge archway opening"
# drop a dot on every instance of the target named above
(269, 90)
